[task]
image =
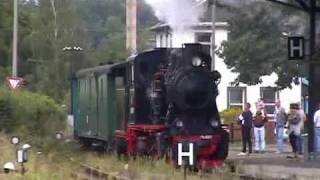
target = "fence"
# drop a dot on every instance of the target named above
(235, 132)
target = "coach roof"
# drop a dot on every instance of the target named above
(103, 69)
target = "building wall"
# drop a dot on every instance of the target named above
(252, 93)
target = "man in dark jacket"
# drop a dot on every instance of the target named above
(245, 119)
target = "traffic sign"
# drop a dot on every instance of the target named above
(14, 82)
(296, 49)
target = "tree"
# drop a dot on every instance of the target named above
(257, 47)
(46, 26)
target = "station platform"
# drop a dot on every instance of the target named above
(271, 165)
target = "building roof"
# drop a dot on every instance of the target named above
(104, 69)
(200, 25)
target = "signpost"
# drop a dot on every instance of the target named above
(311, 8)
(14, 82)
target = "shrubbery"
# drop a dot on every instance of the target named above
(229, 115)
(30, 115)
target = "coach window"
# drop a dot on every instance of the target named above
(236, 97)
(269, 96)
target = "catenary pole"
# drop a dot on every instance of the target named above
(15, 40)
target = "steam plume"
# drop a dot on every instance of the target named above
(180, 16)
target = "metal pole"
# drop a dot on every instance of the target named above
(15, 40)
(311, 90)
(213, 34)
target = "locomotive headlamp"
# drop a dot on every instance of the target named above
(214, 123)
(196, 61)
(179, 123)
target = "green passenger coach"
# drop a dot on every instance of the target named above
(98, 103)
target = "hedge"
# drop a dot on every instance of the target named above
(31, 115)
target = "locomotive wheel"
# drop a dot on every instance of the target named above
(86, 143)
(223, 147)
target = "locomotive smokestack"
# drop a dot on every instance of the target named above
(131, 23)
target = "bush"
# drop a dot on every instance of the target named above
(230, 115)
(30, 115)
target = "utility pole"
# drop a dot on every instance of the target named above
(131, 45)
(131, 23)
(213, 33)
(15, 40)
(313, 94)
(314, 67)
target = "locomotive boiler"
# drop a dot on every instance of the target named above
(168, 97)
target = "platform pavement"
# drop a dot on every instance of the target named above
(271, 165)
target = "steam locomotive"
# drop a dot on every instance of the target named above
(150, 103)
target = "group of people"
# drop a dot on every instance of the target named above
(294, 120)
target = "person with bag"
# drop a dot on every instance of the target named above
(302, 129)
(280, 117)
(294, 121)
(245, 119)
(259, 131)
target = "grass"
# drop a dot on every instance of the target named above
(60, 159)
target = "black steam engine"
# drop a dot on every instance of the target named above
(172, 95)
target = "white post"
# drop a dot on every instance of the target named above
(185, 154)
(131, 21)
(15, 40)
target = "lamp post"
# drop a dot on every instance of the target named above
(72, 49)
(73, 81)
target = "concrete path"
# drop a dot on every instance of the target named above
(271, 165)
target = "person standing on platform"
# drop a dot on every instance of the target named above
(259, 131)
(280, 117)
(294, 121)
(316, 120)
(245, 119)
(303, 118)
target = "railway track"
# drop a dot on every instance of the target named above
(87, 172)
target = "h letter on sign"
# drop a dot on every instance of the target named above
(188, 154)
(296, 48)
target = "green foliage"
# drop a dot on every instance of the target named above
(47, 26)
(30, 115)
(256, 46)
(230, 115)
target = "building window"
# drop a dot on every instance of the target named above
(236, 97)
(269, 96)
(203, 37)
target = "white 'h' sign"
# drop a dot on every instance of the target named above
(185, 154)
(296, 47)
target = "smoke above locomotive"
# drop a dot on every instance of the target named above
(180, 15)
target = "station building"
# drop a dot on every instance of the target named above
(230, 95)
